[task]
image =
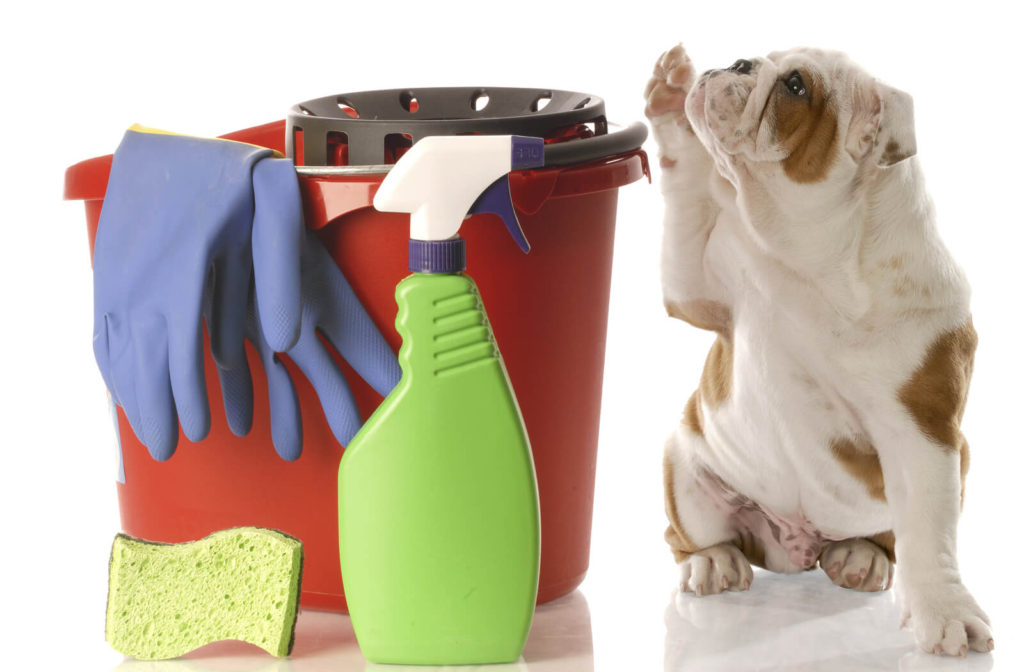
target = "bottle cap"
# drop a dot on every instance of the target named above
(437, 256)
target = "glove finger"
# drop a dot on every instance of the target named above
(122, 372)
(188, 379)
(226, 312)
(236, 392)
(277, 231)
(101, 350)
(349, 328)
(323, 373)
(157, 418)
(285, 415)
(229, 355)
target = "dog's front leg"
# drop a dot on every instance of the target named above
(690, 289)
(922, 486)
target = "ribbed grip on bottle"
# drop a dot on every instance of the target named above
(437, 256)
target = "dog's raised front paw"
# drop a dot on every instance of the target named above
(666, 104)
(712, 570)
(666, 90)
(945, 619)
(858, 564)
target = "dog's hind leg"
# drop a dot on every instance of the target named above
(701, 534)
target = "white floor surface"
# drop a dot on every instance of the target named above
(785, 623)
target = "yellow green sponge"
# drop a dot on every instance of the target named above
(165, 600)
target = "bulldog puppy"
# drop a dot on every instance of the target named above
(825, 430)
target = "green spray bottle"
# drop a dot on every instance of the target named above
(438, 514)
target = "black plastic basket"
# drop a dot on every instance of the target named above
(370, 129)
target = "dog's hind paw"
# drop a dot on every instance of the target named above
(713, 570)
(858, 564)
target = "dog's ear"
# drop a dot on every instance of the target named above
(882, 125)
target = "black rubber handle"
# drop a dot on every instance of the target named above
(597, 147)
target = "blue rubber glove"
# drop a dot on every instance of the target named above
(331, 310)
(185, 222)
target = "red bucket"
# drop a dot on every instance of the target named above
(548, 310)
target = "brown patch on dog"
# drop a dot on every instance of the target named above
(904, 284)
(860, 460)
(936, 393)
(887, 542)
(681, 544)
(808, 129)
(703, 314)
(693, 418)
(716, 379)
(751, 547)
(894, 153)
(895, 263)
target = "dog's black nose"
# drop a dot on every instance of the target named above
(742, 66)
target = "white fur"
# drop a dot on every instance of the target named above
(825, 330)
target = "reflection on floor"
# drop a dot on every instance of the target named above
(796, 623)
(784, 623)
(560, 640)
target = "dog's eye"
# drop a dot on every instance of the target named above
(795, 84)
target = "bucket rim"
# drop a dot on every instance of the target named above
(87, 179)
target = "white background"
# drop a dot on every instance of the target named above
(75, 75)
